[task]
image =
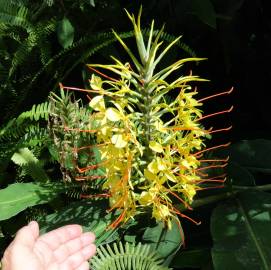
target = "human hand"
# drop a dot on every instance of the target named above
(66, 248)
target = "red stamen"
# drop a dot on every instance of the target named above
(217, 95)
(220, 130)
(211, 148)
(202, 174)
(214, 114)
(181, 128)
(212, 166)
(180, 230)
(81, 89)
(115, 223)
(214, 187)
(214, 160)
(175, 211)
(218, 176)
(100, 73)
(213, 180)
(180, 199)
(91, 167)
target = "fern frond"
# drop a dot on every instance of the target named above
(30, 164)
(14, 14)
(128, 257)
(35, 136)
(37, 38)
(17, 127)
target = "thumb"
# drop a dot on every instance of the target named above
(28, 235)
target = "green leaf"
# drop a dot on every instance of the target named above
(92, 3)
(17, 197)
(195, 258)
(241, 232)
(252, 154)
(239, 175)
(205, 11)
(65, 33)
(91, 215)
(163, 241)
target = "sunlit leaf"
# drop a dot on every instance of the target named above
(241, 232)
(17, 197)
(65, 32)
(89, 214)
(164, 242)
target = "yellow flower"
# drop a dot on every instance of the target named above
(161, 212)
(148, 160)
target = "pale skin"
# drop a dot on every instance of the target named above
(66, 248)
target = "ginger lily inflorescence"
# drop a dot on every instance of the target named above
(150, 147)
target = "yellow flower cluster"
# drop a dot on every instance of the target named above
(147, 144)
(139, 175)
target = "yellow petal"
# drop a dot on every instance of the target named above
(145, 198)
(170, 176)
(119, 140)
(190, 191)
(161, 212)
(113, 114)
(185, 164)
(156, 147)
(149, 175)
(97, 103)
(161, 164)
(96, 82)
(152, 167)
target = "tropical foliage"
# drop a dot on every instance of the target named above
(69, 156)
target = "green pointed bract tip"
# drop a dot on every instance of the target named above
(153, 48)
(138, 35)
(150, 38)
(166, 50)
(136, 63)
(139, 17)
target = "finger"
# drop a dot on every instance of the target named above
(83, 266)
(28, 234)
(69, 248)
(58, 237)
(34, 226)
(78, 258)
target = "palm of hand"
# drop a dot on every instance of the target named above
(66, 248)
